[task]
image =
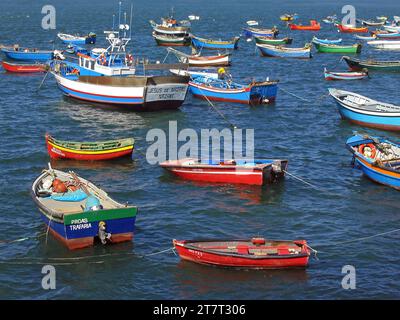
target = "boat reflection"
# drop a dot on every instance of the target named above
(253, 195)
(122, 164)
(207, 281)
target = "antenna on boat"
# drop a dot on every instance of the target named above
(119, 15)
(130, 21)
(113, 25)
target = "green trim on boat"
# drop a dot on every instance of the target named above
(100, 215)
(271, 41)
(333, 48)
(93, 146)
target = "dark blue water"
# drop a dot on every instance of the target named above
(310, 134)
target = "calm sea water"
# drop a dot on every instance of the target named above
(310, 134)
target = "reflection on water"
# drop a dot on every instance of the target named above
(122, 164)
(208, 280)
(251, 194)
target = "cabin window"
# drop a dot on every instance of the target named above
(80, 61)
(92, 64)
(87, 64)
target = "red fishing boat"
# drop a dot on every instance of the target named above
(348, 29)
(255, 172)
(24, 67)
(255, 253)
(99, 150)
(314, 26)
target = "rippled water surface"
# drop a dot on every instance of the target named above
(308, 132)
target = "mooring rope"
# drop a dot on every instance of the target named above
(294, 95)
(22, 239)
(219, 112)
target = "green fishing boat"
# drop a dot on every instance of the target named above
(333, 48)
(273, 41)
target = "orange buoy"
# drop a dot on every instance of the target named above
(367, 150)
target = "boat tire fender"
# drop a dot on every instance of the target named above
(367, 150)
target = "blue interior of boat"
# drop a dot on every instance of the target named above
(218, 83)
(249, 163)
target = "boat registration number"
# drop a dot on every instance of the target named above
(166, 92)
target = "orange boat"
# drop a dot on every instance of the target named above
(348, 29)
(314, 26)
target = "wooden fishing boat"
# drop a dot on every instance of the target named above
(171, 40)
(25, 54)
(77, 212)
(202, 43)
(314, 26)
(330, 75)
(24, 67)
(252, 23)
(349, 29)
(384, 66)
(385, 35)
(90, 38)
(377, 158)
(92, 151)
(330, 19)
(256, 172)
(170, 26)
(255, 253)
(285, 52)
(273, 41)
(370, 23)
(196, 72)
(392, 28)
(196, 60)
(250, 32)
(365, 111)
(288, 17)
(384, 44)
(364, 38)
(226, 90)
(132, 92)
(326, 41)
(333, 48)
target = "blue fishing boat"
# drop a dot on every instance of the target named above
(252, 32)
(25, 54)
(226, 90)
(326, 41)
(77, 212)
(364, 38)
(285, 52)
(202, 43)
(365, 111)
(75, 49)
(377, 158)
(388, 35)
(77, 39)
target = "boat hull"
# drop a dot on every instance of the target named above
(215, 45)
(272, 51)
(28, 56)
(389, 66)
(206, 257)
(23, 68)
(368, 120)
(227, 174)
(344, 29)
(58, 152)
(267, 94)
(368, 166)
(326, 48)
(271, 41)
(343, 76)
(377, 174)
(169, 93)
(78, 236)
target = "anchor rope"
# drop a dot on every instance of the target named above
(219, 112)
